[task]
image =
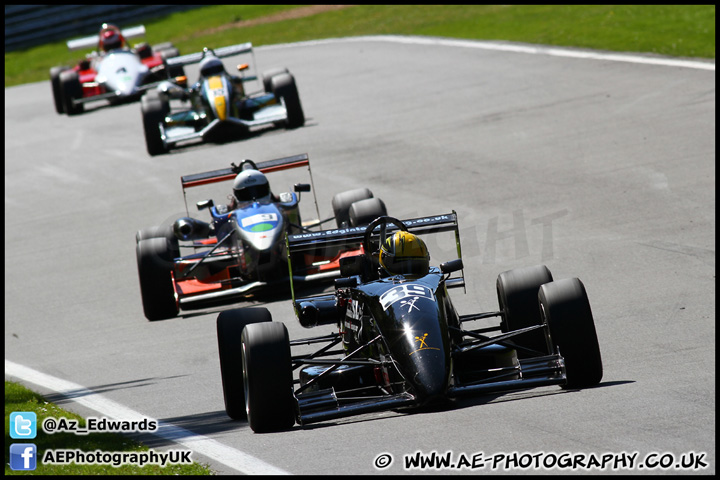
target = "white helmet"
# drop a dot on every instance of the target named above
(251, 185)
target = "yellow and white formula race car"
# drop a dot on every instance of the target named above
(217, 106)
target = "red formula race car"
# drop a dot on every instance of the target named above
(114, 72)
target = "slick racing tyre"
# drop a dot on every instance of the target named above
(230, 325)
(173, 70)
(155, 264)
(267, 377)
(165, 232)
(517, 292)
(143, 50)
(170, 52)
(267, 77)
(162, 46)
(70, 89)
(342, 202)
(363, 212)
(154, 108)
(283, 86)
(56, 90)
(565, 307)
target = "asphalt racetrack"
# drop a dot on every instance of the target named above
(601, 169)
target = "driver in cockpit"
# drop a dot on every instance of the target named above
(110, 38)
(250, 186)
(404, 253)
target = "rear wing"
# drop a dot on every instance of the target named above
(221, 52)
(354, 235)
(92, 40)
(268, 166)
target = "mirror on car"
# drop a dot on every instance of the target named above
(346, 282)
(302, 187)
(452, 266)
(202, 205)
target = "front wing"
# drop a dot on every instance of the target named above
(339, 401)
(174, 135)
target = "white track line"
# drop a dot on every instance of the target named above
(235, 459)
(511, 47)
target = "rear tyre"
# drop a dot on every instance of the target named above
(564, 305)
(342, 202)
(363, 212)
(56, 89)
(173, 70)
(163, 46)
(154, 108)
(169, 52)
(268, 377)
(70, 89)
(155, 260)
(165, 232)
(230, 325)
(517, 292)
(283, 86)
(267, 77)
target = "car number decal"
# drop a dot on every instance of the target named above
(403, 291)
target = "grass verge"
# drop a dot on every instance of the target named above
(20, 399)
(674, 30)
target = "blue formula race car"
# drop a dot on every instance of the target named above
(241, 250)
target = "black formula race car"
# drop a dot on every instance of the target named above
(241, 250)
(398, 340)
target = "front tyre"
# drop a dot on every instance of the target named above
(70, 89)
(154, 108)
(155, 262)
(230, 325)
(566, 309)
(56, 89)
(267, 377)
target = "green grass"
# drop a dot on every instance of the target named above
(20, 399)
(674, 30)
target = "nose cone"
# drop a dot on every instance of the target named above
(417, 337)
(121, 72)
(263, 242)
(430, 368)
(261, 227)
